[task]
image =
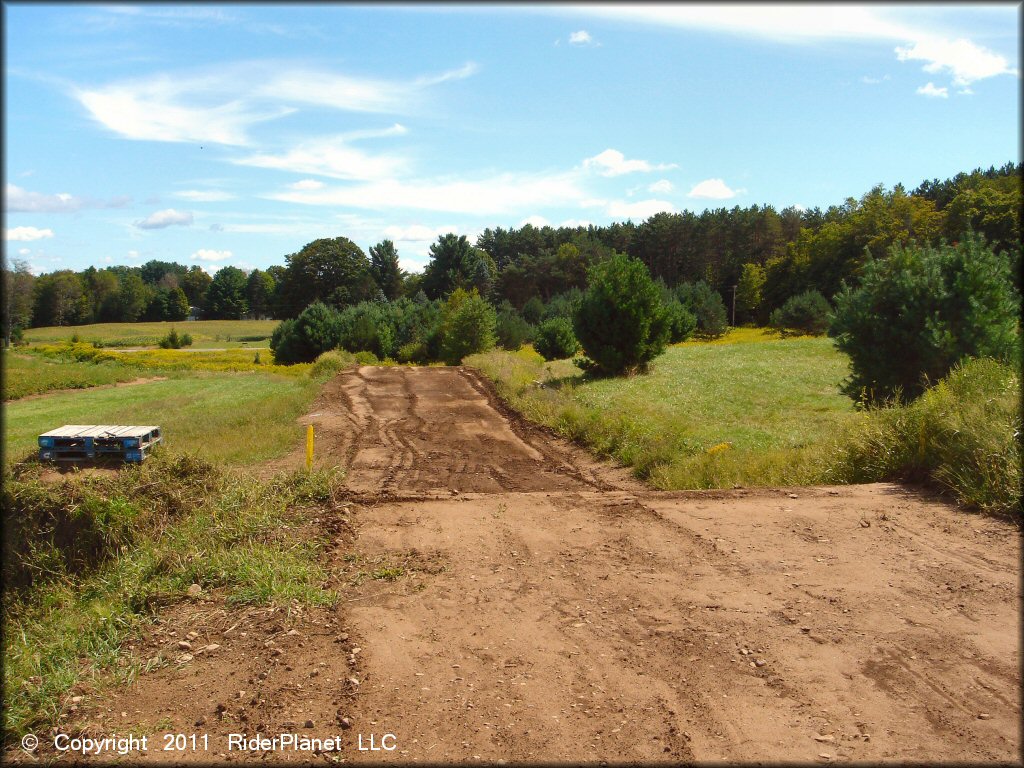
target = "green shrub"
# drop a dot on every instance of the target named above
(365, 357)
(413, 352)
(330, 362)
(620, 321)
(511, 329)
(555, 339)
(302, 340)
(533, 310)
(963, 433)
(919, 311)
(173, 341)
(367, 326)
(806, 313)
(468, 326)
(707, 306)
(681, 321)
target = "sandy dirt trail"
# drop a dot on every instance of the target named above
(508, 598)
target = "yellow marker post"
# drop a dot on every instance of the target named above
(309, 448)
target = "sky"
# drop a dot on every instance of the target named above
(235, 134)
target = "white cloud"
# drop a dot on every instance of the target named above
(715, 189)
(24, 251)
(611, 162)
(805, 23)
(27, 234)
(573, 223)
(638, 211)
(328, 156)
(415, 233)
(502, 193)
(204, 195)
(663, 186)
(931, 91)
(307, 184)
(165, 218)
(208, 254)
(535, 221)
(133, 254)
(875, 80)
(21, 200)
(965, 92)
(218, 106)
(582, 37)
(962, 59)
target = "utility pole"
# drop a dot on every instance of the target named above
(734, 306)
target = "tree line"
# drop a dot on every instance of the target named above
(756, 258)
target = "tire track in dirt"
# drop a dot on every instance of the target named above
(531, 604)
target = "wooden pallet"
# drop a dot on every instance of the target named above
(84, 442)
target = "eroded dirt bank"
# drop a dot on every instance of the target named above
(505, 597)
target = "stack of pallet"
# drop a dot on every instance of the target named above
(77, 442)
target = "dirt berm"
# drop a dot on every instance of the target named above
(507, 598)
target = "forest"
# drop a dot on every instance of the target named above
(754, 258)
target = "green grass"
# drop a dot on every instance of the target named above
(752, 409)
(964, 434)
(26, 374)
(236, 418)
(153, 530)
(205, 333)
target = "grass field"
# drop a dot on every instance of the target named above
(235, 418)
(750, 408)
(206, 334)
(26, 374)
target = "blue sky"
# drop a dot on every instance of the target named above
(235, 134)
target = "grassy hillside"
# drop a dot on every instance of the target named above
(747, 409)
(26, 374)
(205, 333)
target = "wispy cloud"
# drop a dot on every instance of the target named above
(502, 193)
(611, 162)
(714, 189)
(875, 80)
(964, 60)
(661, 187)
(27, 234)
(328, 156)
(581, 37)
(165, 218)
(18, 200)
(220, 106)
(929, 89)
(307, 184)
(204, 195)
(638, 211)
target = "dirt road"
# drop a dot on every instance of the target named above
(505, 597)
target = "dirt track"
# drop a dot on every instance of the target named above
(539, 606)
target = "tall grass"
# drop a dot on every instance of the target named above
(26, 374)
(88, 559)
(964, 434)
(708, 415)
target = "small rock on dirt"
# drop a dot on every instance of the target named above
(195, 590)
(308, 724)
(984, 716)
(184, 645)
(201, 721)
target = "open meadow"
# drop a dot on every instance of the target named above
(206, 334)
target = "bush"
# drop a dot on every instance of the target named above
(329, 363)
(533, 310)
(413, 352)
(555, 339)
(367, 326)
(620, 321)
(681, 322)
(316, 330)
(468, 326)
(511, 329)
(173, 341)
(807, 313)
(963, 433)
(707, 306)
(921, 310)
(365, 357)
